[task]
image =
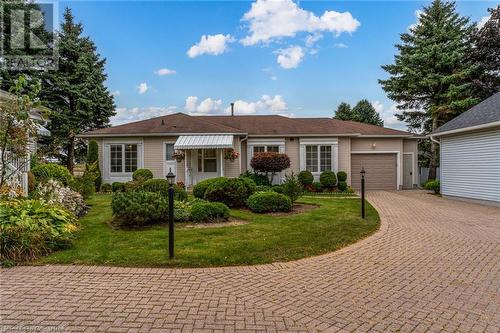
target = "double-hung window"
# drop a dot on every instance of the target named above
(123, 158)
(318, 158)
(269, 148)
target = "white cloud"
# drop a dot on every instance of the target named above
(126, 115)
(388, 115)
(269, 20)
(165, 71)
(290, 57)
(210, 44)
(274, 78)
(340, 45)
(265, 104)
(483, 21)
(312, 39)
(418, 13)
(116, 93)
(206, 106)
(143, 87)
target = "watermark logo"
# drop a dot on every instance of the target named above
(27, 35)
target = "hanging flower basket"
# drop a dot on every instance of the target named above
(178, 155)
(230, 154)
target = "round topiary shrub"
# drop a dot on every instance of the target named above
(138, 208)
(264, 202)
(341, 176)
(328, 179)
(44, 172)
(160, 186)
(200, 188)
(118, 187)
(142, 175)
(305, 177)
(106, 188)
(209, 212)
(230, 191)
(342, 185)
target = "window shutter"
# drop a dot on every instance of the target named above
(302, 157)
(249, 157)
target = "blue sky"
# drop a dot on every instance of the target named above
(271, 57)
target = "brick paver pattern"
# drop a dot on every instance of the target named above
(433, 266)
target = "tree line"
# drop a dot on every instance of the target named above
(75, 94)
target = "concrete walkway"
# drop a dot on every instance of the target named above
(434, 266)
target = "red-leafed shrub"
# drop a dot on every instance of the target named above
(270, 162)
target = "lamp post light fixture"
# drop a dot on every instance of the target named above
(363, 192)
(170, 178)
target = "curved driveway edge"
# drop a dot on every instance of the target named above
(433, 266)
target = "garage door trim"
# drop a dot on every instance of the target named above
(398, 163)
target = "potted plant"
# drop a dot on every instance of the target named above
(230, 154)
(178, 155)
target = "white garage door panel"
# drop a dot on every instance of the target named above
(470, 165)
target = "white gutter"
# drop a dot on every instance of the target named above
(467, 129)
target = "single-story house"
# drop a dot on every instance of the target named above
(470, 153)
(317, 144)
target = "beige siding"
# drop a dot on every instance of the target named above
(232, 169)
(154, 154)
(345, 157)
(292, 149)
(411, 146)
(376, 144)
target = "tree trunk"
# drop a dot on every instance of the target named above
(71, 153)
(434, 152)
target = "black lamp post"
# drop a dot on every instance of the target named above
(363, 192)
(170, 178)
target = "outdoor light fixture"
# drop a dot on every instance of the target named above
(363, 172)
(170, 178)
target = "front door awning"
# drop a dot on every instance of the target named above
(203, 142)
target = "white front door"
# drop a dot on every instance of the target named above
(169, 163)
(205, 164)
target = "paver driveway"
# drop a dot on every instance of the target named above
(433, 266)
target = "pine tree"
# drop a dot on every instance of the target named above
(364, 112)
(486, 54)
(343, 112)
(431, 78)
(76, 93)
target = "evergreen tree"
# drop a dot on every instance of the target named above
(76, 92)
(343, 112)
(431, 78)
(364, 112)
(486, 54)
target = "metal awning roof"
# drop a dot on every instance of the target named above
(203, 141)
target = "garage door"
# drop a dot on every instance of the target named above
(380, 171)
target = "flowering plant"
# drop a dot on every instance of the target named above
(178, 155)
(54, 193)
(230, 154)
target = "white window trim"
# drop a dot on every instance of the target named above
(164, 156)
(119, 176)
(332, 142)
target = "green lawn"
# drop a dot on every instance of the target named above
(335, 224)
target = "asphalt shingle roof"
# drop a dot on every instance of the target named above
(487, 111)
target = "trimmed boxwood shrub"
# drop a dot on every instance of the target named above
(106, 188)
(138, 208)
(118, 187)
(317, 186)
(305, 177)
(250, 185)
(328, 179)
(142, 175)
(230, 191)
(44, 172)
(263, 202)
(263, 188)
(161, 186)
(258, 178)
(209, 212)
(342, 185)
(341, 176)
(433, 185)
(200, 188)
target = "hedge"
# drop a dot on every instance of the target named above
(209, 212)
(138, 208)
(263, 202)
(44, 172)
(230, 191)
(328, 179)
(142, 175)
(200, 188)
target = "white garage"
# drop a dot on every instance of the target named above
(470, 153)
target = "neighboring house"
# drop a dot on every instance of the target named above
(22, 167)
(316, 144)
(470, 153)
